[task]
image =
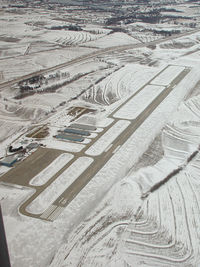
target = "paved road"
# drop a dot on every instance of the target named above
(99, 161)
(100, 52)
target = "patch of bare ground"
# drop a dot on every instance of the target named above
(194, 92)
(152, 155)
(77, 112)
(1, 73)
(9, 39)
(39, 133)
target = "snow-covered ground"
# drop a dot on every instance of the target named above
(17, 67)
(94, 121)
(120, 84)
(168, 75)
(118, 38)
(139, 103)
(32, 32)
(71, 37)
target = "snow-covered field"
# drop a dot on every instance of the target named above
(139, 103)
(113, 39)
(44, 101)
(9, 131)
(32, 32)
(70, 37)
(120, 84)
(177, 199)
(168, 75)
(17, 67)
(145, 37)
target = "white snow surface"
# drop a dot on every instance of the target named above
(117, 38)
(18, 67)
(138, 103)
(168, 75)
(120, 84)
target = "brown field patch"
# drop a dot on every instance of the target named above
(77, 112)
(39, 133)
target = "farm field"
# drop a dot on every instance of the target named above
(32, 63)
(107, 41)
(119, 85)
